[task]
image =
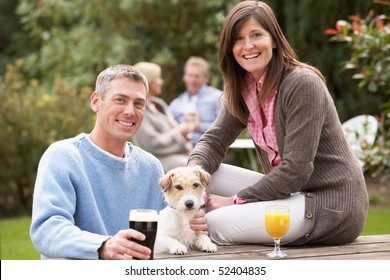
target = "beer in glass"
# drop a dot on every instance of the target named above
(145, 221)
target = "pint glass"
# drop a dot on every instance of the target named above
(145, 221)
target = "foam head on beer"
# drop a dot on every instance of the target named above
(145, 221)
(143, 215)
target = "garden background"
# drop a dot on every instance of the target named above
(52, 50)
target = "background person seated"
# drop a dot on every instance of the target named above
(200, 104)
(159, 133)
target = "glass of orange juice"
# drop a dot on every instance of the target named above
(277, 223)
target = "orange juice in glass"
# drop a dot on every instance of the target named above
(277, 223)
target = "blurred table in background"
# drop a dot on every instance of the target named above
(249, 147)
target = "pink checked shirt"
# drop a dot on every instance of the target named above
(264, 135)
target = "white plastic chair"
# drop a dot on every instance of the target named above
(360, 131)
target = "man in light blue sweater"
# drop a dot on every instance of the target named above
(87, 185)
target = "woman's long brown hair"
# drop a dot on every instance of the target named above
(283, 57)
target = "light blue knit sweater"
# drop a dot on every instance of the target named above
(83, 195)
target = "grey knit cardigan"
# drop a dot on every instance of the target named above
(316, 160)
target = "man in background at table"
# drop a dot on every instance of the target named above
(200, 104)
(86, 185)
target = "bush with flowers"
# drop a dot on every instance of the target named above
(369, 41)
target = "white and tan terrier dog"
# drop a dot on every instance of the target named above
(184, 190)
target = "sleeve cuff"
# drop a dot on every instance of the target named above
(238, 200)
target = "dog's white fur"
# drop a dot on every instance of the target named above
(184, 191)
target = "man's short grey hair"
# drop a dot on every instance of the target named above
(115, 72)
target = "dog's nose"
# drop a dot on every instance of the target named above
(189, 204)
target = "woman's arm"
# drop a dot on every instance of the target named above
(211, 148)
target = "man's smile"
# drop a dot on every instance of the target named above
(126, 123)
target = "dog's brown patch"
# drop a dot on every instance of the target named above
(184, 181)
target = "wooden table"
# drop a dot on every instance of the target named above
(373, 247)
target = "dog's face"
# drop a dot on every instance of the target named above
(185, 187)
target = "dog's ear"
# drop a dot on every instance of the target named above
(204, 176)
(166, 181)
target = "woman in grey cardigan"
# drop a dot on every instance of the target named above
(293, 122)
(159, 133)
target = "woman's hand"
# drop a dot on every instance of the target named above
(199, 223)
(215, 201)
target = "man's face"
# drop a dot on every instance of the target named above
(194, 79)
(120, 114)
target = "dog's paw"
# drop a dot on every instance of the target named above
(205, 244)
(178, 250)
(209, 247)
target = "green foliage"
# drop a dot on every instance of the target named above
(369, 42)
(377, 158)
(375, 199)
(303, 21)
(32, 116)
(43, 93)
(80, 38)
(13, 39)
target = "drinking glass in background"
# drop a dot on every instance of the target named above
(277, 223)
(190, 116)
(145, 221)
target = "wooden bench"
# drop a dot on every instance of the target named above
(373, 247)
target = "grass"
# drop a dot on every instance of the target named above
(15, 239)
(16, 244)
(378, 221)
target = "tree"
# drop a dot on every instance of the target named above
(80, 38)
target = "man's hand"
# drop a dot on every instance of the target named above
(122, 247)
(185, 130)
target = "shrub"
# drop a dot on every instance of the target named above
(369, 42)
(32, 116)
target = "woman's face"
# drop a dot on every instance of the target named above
(253, 48)
(155, 88)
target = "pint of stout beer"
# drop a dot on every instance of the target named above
(145, 221)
